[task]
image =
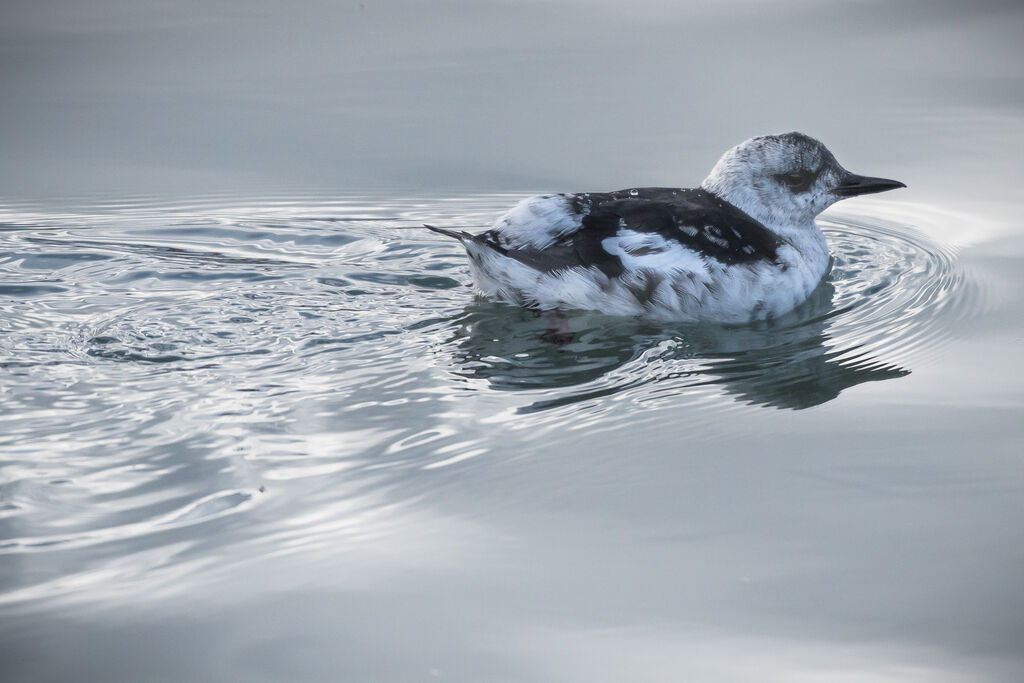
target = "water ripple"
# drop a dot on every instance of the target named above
(171, 366)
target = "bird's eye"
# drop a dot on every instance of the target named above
(798, 181)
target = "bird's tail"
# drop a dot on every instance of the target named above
(460, 235)
(468, 239)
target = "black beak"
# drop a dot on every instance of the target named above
(853, 185)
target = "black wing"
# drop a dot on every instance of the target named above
(696, 219)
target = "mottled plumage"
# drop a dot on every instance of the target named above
(743, 246)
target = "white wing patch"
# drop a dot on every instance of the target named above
(536, 222)
(650, 250)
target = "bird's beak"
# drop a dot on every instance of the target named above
(853, 185)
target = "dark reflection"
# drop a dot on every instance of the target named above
(784, 363)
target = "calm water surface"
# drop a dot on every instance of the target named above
(249, 433)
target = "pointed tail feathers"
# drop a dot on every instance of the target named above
(460, 235)
(466, 238)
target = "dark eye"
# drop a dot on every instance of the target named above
(798, 181)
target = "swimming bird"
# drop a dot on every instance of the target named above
(743, 246)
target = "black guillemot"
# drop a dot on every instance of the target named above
(743, 246)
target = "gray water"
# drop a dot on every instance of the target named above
(255, 426)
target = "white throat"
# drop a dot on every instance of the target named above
(803, 241)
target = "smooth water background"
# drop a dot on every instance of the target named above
(253, 426)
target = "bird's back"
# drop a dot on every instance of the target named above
(570, 230)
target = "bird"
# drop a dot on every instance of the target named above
(742, 247)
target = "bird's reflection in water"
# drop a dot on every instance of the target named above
(785, 363)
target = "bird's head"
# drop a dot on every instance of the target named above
(784, 181)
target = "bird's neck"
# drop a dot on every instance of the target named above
(749, 202)
(805, 248)
(805, 237)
